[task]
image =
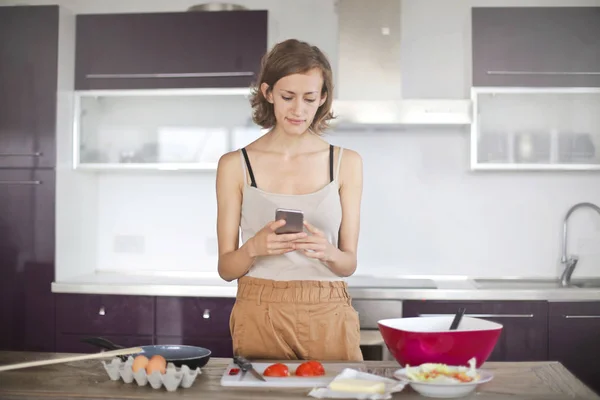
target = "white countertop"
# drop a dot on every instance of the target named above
(360, 287)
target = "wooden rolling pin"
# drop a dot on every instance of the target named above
(103, 354)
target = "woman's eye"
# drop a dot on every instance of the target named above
(310, 100)
(286, 98)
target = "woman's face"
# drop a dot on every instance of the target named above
(296, 99)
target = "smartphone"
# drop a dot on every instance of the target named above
(294, 220)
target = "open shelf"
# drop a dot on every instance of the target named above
(535, 129)
(159, 130)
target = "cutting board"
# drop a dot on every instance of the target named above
(248, 380)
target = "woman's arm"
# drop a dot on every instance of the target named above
(343, 262)
(234, 262)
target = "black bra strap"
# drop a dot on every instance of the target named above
(331, 163)
(252, 181)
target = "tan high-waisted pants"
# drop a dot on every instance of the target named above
(294, 320)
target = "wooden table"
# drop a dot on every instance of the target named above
(88, 380)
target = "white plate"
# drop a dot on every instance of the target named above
(444, 390)
(248, 380)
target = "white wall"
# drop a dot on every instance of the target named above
(424, 212)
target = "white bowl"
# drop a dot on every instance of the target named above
(444, 390)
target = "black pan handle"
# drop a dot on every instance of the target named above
(103, 343)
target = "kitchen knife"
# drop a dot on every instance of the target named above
(246, 366)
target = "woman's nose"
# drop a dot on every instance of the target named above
(297, 107)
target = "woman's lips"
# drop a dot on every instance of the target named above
(295, 121)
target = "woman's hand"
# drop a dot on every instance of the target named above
(266, 242)
(316, 245)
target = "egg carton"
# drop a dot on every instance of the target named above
(172, 378)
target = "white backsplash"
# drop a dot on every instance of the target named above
(423, 213)
(147, 222)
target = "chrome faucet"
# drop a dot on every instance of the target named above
(571, 262)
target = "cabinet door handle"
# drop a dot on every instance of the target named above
(581, 316)
(482, 315)
(20, 182)
(181, 75)
(36, 154)
(551, 73)
(102, 311)
(206, 314)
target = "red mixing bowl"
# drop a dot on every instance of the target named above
(419, 340)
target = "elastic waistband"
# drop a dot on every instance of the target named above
(266, 290)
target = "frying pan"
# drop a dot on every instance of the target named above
(192, 356)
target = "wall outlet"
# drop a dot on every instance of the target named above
(129, 244)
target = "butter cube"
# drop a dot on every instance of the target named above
(357, 386)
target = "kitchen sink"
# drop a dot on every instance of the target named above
(516, 283)
(535, 283)
(591, 283)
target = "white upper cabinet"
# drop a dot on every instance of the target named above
(160, 130)
(536, 128)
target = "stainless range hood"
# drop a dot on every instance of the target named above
(368, 85)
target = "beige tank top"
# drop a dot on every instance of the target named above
(321, 208)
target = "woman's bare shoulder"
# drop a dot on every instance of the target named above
(351, 166)
(351, 155)
(351, 159)
(227, 160)
(230, 167)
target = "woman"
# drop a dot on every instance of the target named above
(292, 302)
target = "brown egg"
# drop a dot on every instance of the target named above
(139, 362)
(156, 363)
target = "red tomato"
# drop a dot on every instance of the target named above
(310, 368)
(278, 370)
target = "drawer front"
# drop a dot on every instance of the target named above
(524, 335)
(580, 310)
(193, 317)
(492, 310)
(97, 315)
(72, 343)
(371, 311)
(218, 347)
(573, 339)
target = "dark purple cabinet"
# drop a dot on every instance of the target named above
(26, 258)
(195, 321)
(124, 320)
(74, 343)
(524, 334)
(169, 50)
(142, 320)
(536, 46)
(574, 339)
(98, 315)
(28, 79)
(28, 82)
(39, 308)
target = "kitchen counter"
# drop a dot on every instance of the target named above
(360, 287)
(88, 380)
